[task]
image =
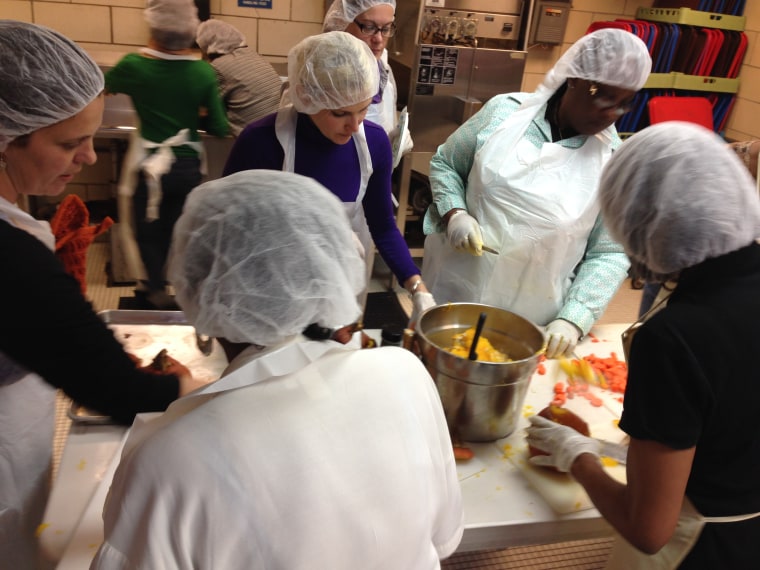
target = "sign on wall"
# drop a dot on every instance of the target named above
(255, 4)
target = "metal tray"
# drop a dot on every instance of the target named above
(144, 334)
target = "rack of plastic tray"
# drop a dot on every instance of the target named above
(706, 50)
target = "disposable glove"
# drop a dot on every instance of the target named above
(421, 302)
(463, 232)
(561, 338)
(562, 443)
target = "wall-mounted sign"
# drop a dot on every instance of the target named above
(255, 4)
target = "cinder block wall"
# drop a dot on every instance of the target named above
(109, 28)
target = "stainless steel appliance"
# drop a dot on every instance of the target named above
(449, 57)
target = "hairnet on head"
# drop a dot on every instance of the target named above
(216, 37)
(45, 78)
(259, 255)
(331, 71)
(610, 56)
(675, 195)
(342, 12)
(172, 23)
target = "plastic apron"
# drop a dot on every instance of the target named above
(285, 129)
(537, 207)
(27, 415)
(690, 524)
(155, 166)
(384, 113)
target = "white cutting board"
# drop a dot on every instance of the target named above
(559, 490)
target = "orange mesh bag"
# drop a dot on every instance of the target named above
(74, 234)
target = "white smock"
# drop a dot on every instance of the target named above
(285, 126)
(307, 455)
(27, 413)
(690, 524)
(537, 207)
(154, 166)
(384, 113)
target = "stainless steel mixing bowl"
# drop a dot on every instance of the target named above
(482, 400)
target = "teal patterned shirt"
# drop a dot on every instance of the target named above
(604, 265)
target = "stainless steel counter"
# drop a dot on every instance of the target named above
(507, 502)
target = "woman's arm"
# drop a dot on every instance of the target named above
(51, 329)
(378, 210)
(599, 274)
(646, 509)
(451, 164)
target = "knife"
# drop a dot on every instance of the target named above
(616, 451)
(489, 249)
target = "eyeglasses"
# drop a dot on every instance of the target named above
(607, 103)
(371, 29)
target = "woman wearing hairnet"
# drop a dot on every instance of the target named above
(297, 447)
(170, 88)
(520, 176)
(685, 210)
(249, 85)
(373, 22)
(51, 106)
(333, 77)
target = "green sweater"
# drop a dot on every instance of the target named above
(170, 95)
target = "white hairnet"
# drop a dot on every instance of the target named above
(172, 23)
(674, 195)
(342, 12)
(610, 56)
(259, 255)
(332, 70)
(45, 78)
(218, 37)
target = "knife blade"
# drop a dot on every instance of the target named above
(489, 249)
(616, 451)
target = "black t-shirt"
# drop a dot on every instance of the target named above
(50, 328)
(694, 380)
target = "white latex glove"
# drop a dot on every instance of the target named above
(463, 232)
(562, 443)
(561, 338)
(421, 302)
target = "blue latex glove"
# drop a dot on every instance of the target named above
(562, 443)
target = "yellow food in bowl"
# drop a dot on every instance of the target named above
(486, 352)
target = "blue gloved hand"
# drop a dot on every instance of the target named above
(561, 338)
(562, 443)
(421, 302)
(463, 232)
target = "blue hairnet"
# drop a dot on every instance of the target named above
(610, 56)
(258, 256)
(332, 70)
(675, 195)
(172, 23)
(218, 37)
(342, 12)
(45, 78)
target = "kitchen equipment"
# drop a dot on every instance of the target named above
(144, 334)
(490, 250)
(449, 57)
(482, 401)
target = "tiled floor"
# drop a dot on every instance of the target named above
(577, 555)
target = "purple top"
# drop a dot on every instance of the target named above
(337, 168)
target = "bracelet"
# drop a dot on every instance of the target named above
(456, 213)
(415, 286)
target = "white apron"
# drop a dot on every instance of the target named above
(689, 527)
(155, 166)
(285, 129)
(27, 415)
(537, 207)
(384, 113)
